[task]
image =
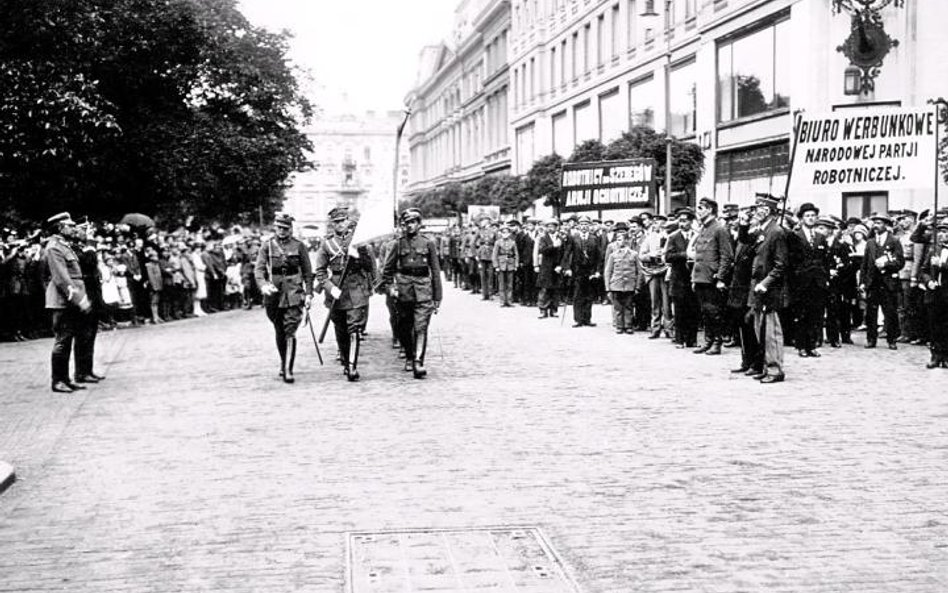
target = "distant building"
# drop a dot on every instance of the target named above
(459, 128)
(355, 158)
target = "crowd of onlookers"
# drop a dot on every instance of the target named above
(673, 275)
(133, 275)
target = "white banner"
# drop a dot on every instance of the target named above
(871, 150)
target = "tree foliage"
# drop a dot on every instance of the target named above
(642, 142)
(542, 181)
(171, 107)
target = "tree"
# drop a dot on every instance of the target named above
(172, 107)
(542, 181)
(586, 151)
(642, 142)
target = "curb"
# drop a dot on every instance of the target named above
(7, 476)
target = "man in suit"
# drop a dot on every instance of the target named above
(583, 261)
(739, 291)
(524, 280)
(65, 297)
(548, 250)
(714, 257)
(808, 259)
(841, 272)
(679, 280)
(769, 294)
(880, 279)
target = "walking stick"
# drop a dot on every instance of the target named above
(312, 332)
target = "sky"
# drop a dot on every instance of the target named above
(361, 54)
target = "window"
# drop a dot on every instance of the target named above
(367, 153)
(642, 101)
(587, 31)
(744, 171)
(553, 66)
(525, 155)
(600, 39)
(861, 205)
(563, 63)
(614, 32)
(682, 99)
(562, 143)
(575, 62)
(612, 121)
(748, 71)
(584, 124)
(533, 79)
(630, 23)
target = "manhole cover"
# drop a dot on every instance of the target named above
(490, 559)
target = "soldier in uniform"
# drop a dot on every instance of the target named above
(346, 273)
(65, 297)
(506, 261)
(411, 274)
(484, 247)
(284, 275)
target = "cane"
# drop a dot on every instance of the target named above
(312, 332)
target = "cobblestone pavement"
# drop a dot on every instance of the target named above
(193, 468)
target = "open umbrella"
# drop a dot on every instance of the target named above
(136, 220)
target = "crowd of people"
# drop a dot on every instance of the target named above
(758, 277)
(133, 275)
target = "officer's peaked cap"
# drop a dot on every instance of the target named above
(339, 213)
(56, 219)
(283, 220)
(410, 214)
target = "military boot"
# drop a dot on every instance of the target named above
(418, 365)
(352, 368)
(291, 358)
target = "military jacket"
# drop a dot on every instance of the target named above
(66, 287)
(412, 265)
(286, 265)
(484, 244)
(332, 263)
(505, 256)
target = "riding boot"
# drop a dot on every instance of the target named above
(281, 348)
(291, 358)
(352, 370)
(421, 344)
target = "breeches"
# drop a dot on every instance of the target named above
(285, 320)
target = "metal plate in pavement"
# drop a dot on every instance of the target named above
(482, 560)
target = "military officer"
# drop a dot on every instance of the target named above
(65, 297)
(411, 274)
(284, 274)
(346, 273)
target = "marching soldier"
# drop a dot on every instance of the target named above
(411, 274)
(65, 297)
(346, 273)
(284, 275)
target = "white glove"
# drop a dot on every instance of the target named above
(335, 293)
(268, 289)
(353, 252)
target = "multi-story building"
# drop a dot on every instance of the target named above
(726, 74)
(354, 157)
(458, 130)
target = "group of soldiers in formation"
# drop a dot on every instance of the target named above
(409, 275)
(756, 277)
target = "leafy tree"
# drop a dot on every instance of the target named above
(542, 181)
(173, 107)
(588, 150)
(642, 142)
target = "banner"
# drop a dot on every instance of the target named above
(608, 185)
(476, 212)
(870, 150)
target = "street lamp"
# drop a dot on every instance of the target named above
(851, 78)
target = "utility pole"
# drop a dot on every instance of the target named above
(666, 207)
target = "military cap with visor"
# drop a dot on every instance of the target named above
(283, 220)
(409, 215)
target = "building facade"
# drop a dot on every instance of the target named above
(354, 157)
(458, 130)
(726, 74)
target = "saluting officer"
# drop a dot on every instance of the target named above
(285, 277)
(65, 297)
(411, 274)
(346, 273)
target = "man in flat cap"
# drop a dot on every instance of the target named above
(810, 279)
(879, 278)
(66, 297)
(714, 258)
(583, 261)
(412, 275)
(346, 272)
(548, 250)
(285, 277)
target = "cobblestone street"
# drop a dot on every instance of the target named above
(194, 468)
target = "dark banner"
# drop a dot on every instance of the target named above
(609, 185)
